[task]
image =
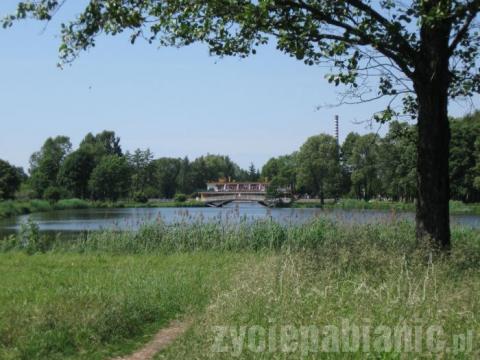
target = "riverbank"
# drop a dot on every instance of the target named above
(456, 207)
(15, 208)
(105, 293)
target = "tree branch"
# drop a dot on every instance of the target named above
(464, 29)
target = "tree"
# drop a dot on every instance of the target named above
(141, 163)
(397, 156)
(364, 166)
(184, 178)
(346, 152)
(421, 53)
(465, 132)
(476, 180)
(110, 179)
(166, 176)
(10, 180)
(253, 173)
(213, 167)
(281, 172)
(46, 163)
(102, 144)
(76, 170)
(319, 166)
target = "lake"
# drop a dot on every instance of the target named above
(72, 221)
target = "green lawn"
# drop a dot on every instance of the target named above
(62, 306)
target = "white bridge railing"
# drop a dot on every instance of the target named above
(234, 197)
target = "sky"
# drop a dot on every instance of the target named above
(176, 102)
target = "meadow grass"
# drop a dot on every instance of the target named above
(365, 282)
(72, 306)
(105, 292)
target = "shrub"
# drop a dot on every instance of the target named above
(140, 197)
(54, 194)
(180, 197)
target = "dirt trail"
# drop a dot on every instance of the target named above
(160, 341)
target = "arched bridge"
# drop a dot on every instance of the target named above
(219, 200)
(219, 194)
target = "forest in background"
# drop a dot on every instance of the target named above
(363, 167)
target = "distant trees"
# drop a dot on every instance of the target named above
(98, 169)
(166, 176)
(319, 166)
(76, 170)
(111, 178)
(372, 166)
(45, 164)
(142, 169)
(281, 172)
(10, 180)
(364, 166)
(464, 158)
(397, 159)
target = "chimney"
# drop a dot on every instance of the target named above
(336, 130)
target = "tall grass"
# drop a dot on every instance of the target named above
(262, 235)
(365, 280)
(95, 306)
(87, 296)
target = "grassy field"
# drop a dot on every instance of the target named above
(106, 293)
(68, 306)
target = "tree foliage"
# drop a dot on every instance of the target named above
(10, 180)
(110, 179)
(319, 166)
(45, 164)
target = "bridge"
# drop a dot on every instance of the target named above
(224, 199)
(219, 194)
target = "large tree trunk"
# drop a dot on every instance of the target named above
(433, 189)
(432, 216)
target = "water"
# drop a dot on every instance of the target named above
(75, 221)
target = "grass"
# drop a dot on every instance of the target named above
(337, 288)
(104, 293)
(12, 208)
(456, 207)
(72, 306)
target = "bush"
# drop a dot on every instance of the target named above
(72, 204)
(180, 197)
(54, 194)
(140, 197)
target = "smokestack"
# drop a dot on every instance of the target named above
(336, 130)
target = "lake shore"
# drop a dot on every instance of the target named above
(456, 207)
(14, 207)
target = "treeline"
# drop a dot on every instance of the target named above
(369, 166)
(364, 167)
(100, 170)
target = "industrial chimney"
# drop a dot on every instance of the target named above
(336, 130)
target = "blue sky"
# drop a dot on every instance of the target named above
(176, 102)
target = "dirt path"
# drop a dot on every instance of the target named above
(160, 341)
